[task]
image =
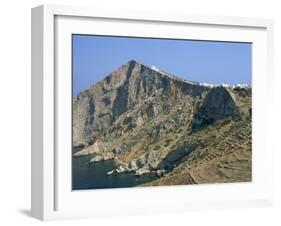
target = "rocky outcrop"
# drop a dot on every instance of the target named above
(217, 105)
(147, 120)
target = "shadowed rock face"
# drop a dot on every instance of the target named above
(217, 105)
(148, 120)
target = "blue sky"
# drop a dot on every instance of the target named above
(95, 57)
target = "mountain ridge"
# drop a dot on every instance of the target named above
(168, 74)
(147, 120)
(136, 81)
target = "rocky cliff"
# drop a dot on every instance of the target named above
(148, 120)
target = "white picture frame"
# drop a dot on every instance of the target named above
(51, 86)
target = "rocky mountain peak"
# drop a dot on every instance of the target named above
(129, 88)
(148, 120)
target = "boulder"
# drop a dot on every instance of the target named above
(97, 158)
(111, 172)
(160, 173)
(108, 156)
(140, 172)
(133, 165)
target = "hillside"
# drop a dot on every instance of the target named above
(148, 121)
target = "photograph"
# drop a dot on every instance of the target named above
(158, 112)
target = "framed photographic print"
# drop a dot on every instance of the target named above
(137, 112)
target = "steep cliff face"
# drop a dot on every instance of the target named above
(148, 120)
(217, 105)
(95, 109)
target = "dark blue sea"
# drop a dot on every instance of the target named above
(93, 176)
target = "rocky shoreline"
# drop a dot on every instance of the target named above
(132, 167)
(129, 168)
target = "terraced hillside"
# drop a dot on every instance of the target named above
(148, 120)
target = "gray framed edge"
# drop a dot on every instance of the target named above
(43, 193)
